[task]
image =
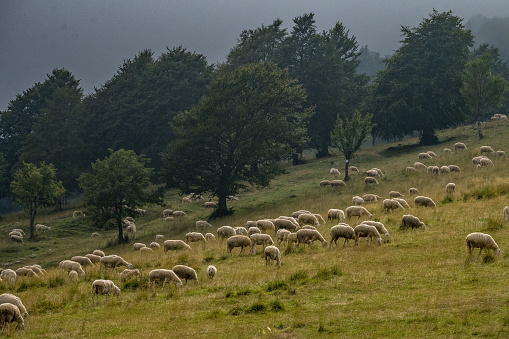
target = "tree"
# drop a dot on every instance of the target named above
(349, 135)
(481, 89)
(420, 87)
(116, 186)
(35, 186)
(238, 133)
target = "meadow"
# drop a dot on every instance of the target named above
(421, 284)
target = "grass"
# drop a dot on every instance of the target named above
(421, 284)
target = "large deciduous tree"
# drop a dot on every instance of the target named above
(238, 133)
(116, 186)
(420, 87)
(34, 186)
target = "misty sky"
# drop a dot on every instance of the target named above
(91, 38)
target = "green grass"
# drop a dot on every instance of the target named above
(421, 284)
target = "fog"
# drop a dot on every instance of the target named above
(91, 38)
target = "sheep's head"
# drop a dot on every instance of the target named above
(497, 251)
(379, 241)
(423, 226)
(129, 266)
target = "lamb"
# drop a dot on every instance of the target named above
(423, 156)
(73, 275)
(9, 275)
(337, 183)
(370, 180)
(202, 224)
(358, 211)
(391, 205)
(95, 235)
(210, 237)
(253, 230)
(324, 183)
(371, 197)
(128, 274)
(113, 261)
(285, 224)
(413, 191)
(447, 151)
(341, 231)
(237, 241)
(185, 272)
(195, 237)
(154, 245)
(411, 221)
(240, 230)
(12, 299)
(282, 235)
(10, 313)
(265, 225)
(444, 169)
(27, 272)
(163, 275)
(454, 168)
(459, 146)
(450, 188)
(41, 228)
(402, 202)
(175, 245)
(499, 154)
(145, 250)
(308, 236)
(367, 231)
(424, 201)
(486, 149)
(356, 200)
(138, 245)
(335, 171)
(379, 227)
(101, 286)
(419, 165)
(506, 213)
(16, 238)
(481, 241)
(83, 260)
(159, 237)
(99, 253)
(336, 214)
(271, 254)
(260, 239)
(395, 194)
(93, 258)
(226, 232)
(69, 265)
(211, 272)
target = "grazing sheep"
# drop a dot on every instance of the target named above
(155, 245)
(95, 235)
(145, 250)
(477, 160)
(101, 286)
(167, 213)
(341, 231)
(395, 194)
(450, 188)
(16, 233)
(159, 237)
(285, 224)
(27, 272)
(485, 162)
(319, 218)
(131, 219)
(459, 146)
(210, 204)
(391, 205)
(499, 154)
(163, 275)
(335, 214)
(413, 191)
(10, 313)
(93, 258)
(324, 183)
(371, 197)
(185, 272)
(211, 272)
(175, 245)
(308, 236)
(292, 238)
(454, 168)
(419, 165)
(83, 260)
(131, 229)
(272, 254)
(358, 211)
(402, 202)
(179, 214)
(202, 224)
(337, 183)
(486, 149)
(506, 213)
(292, 219)
(224, 232)
(210, 237)
(250, 223)
(432, 154)
(240, 230)
(18, 230)
(334, 171)
(379, 171)
(282, 235)
(69, 265)
(113, 261)
(353, 169)
(140, 211)
(73, 275)
(9, 275)
(424, 201)
(379, 227)
(423, 156)
(253, 230)
(409, 170)
(371, 173)
(356, 200)
(447, 151)
(444, 169)
(481, 241)
(411, 221)
(370, 180)
(37, 269)
(260, 239)
(367, 231)
(138, 245)
(237, 241)
(195, 237)
(41, 228)
(99, 253)
(12, 299)
(265, 225)
(299, 212)
(433, 170)
(308, 219)
(128, 274)
(16, 238)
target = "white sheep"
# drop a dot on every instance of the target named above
(37, 269)
(10, 313)
(459, 146)
(260, 239)
(372, 173)
(99, 253)
(299, 212)
(424, 201)
(163, 275)
(292, 238)
(167, 213)
(485, 162)
(337, 183)
(210, 237)
(447, 151)
(486, 149)
(195, 237)
(41, 228)
(390, 205)
(506, 213)
(411, 221)
(240, 230)
(272, 254)
(210, 204)
(95, 235)
(175, 245)
(477, 160)
(419, 165)
(324, 183)
(358, 211)
(69, 265)
(253, 230)
(282, 235)
(83, 260)
(179, 214)
(367, 231)
(285, 224)
(202, 224)
(308, 236)
(409, 170)
(353, 169)
(481, 241)
(450, 188)
(424, 155)
(341, 231)
(370, 180)
(335, 171)
(224, 232)
(93, 258)
(379, 171)
(500, 154)
(433, 170)
(73, 275)
(402, 202)
(444, 169)
(131, 229)
(155, 245)
(138, 245)
(336, 214)
(129, 274)
(371, 197)
(12, 299)
(16, 233)
(146, 250)
(454, 168)
(379, 227)
(159, 237)
(185, 272)
(27, 272)
(432, 154)
(113, 261)
(16, 238)
(102, 286)
(250, 223)
(9, 275)
(308, 219)
(264, 225)
(18, 230)
(356, 200)
(211, 272)
(241, 241)
(413, 191)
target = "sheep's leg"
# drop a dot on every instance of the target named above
(344, 244)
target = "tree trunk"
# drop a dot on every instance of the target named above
(222, 208)
(119, 225)
(347, 163)
(295, 159)
(479, 130)
(32, 211)
(428, 137)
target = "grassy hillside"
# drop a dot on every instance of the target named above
(421, 284)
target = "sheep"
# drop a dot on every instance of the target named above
(409, 170)
(9, 275)
(195, 237)
(506, 213)
(380, 173)
(390, 205)
(308, 219)
(486, 149)
(353, 169)
(12, 299)
(129, 274)
(83, 260)
(202, 224)
(341, 231)
(130, 219)
(444, 169)
(499, 154)
(95, 235)
(282, 235)
(260, 239)
(459, 146)
(138, 245)
(308, 236)
(271, 254)
(454, 168)
(432, 154)
(367, 231)
(373, 173)
(358, 211)
(167, 213)
(285, 224)
(253, 230)
(10, 313)
(16, 233)
(299, 212)
(402, 202)
(101, 286)
(241, 241)
(411, 221)
(40, 228)
(131, 229)
(423, 156)
(477, 160)
(175, 245)
(163, 275)
(485, 162)
(211, 272)
(93, 258)
(371, 197)
(336, 214)
(27, 272)
(225, 232)
(319, 218)
(379, 227)
(265, 225)
(356, 200)
(210, 204)
(240, 230)
(370, 180)
(37, 269)
(447, 151)
(69, 265)
(16, 238)
(424, 201)
(292, 238)
(179, 214)
(18, 230)
(337, 183)
(210, 237)
(250, 223)
(324, 183)
(140, 211)
(419, 165)
(113, 261)
(433, 170)
(185, 272)
(395, 194)
(145, 250)
(73, 275)
(99, 253)
(334, 171)
(450, 188)
(481, 241)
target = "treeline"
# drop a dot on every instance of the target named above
(155, 105)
